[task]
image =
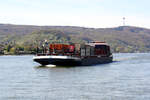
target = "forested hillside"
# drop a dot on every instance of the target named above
(121, 39)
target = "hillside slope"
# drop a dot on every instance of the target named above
(121, 39)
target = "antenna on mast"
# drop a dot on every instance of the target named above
(124, 21)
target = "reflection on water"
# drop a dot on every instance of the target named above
(47, 66)
(125, 79)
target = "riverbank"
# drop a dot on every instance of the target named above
(15, 54)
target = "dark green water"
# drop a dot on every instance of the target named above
(128, 78)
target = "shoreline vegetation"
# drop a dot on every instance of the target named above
(15, 49)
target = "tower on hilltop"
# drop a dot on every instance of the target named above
(124, 21)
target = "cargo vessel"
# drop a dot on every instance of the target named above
(87, 54)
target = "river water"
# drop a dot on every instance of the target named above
(127, 78)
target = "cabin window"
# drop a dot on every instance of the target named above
(101, 50)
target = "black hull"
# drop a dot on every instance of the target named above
(59, 62)
(96, 60)
(73, 62)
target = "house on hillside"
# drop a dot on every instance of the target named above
(1, 49)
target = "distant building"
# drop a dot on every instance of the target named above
(1, 49)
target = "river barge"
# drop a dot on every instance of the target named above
(75, 54)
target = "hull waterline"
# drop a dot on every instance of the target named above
(71, 61)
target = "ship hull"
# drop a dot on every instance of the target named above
(71, 61)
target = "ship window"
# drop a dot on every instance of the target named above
(101, 49)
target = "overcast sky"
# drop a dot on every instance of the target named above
(86, 13)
